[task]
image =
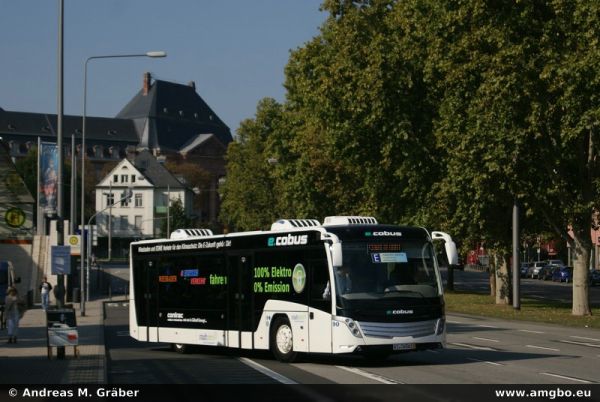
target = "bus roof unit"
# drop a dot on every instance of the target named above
(349, 220)
(180, 234)
(287, 224)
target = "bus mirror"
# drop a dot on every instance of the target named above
(450, 246)
(336, 254)
(451, 253)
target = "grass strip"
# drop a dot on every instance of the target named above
(537, 310)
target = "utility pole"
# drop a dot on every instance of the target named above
(60, 291)
(168, 212)
(516, 268)
(110, 221)
(73, 223)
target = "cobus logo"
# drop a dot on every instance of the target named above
(399, 312)
(288, 240)
(386, 233)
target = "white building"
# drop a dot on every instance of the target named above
(143, 215)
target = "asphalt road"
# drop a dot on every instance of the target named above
(480, 351)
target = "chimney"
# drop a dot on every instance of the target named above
(146, 83)
(192, 84)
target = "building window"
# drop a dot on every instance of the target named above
(138, 200)
(123, 222)
(115, 178)
(124, 178)
(133, 178)
(138, 222)
(125, 202)
(110, 199)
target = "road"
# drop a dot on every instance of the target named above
(480, 351)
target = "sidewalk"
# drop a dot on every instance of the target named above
(26, 362)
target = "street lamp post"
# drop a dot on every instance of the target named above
(127, 196)
(83, 149)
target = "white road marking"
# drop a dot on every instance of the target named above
(486, 339)
(530, 331)
(542, 347)
(454, 322)
(564, 377)
(267, 371)
(591, 345)
(466, 345)
(485, 361)
(584, 338)
(371, 376)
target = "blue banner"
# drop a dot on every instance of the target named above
(48, 176)
(61, 260)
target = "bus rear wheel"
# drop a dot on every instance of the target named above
(282, 340)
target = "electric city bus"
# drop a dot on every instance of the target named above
(347, 285)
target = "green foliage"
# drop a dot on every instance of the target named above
(435, 113)
(250, 194)
(177, 218)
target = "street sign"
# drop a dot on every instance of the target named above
(74, 241)
(62, 327)
(60, 260)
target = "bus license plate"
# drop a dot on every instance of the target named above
(404, 346)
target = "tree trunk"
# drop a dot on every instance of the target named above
(502, 281)
(581, 247)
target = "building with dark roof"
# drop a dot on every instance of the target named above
(154, 188)
(167, 119)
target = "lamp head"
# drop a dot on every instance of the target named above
(157, 53)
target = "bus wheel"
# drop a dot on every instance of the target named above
(282, 341)
(181, 348)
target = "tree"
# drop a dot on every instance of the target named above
(360, 116)
(250, 194)
(196, 178)
(512, 78)
(177, 217)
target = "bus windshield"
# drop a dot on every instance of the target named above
(380, 270)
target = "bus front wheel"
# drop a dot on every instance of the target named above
(282, 340)
(181, 348)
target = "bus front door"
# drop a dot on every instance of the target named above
(151, 300)
(240, 302)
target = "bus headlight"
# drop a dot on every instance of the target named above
(352, 327)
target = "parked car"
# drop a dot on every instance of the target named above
(547, 272)
(534, 270)
(525, 268)
(557, 262)
(564, 274)
(594, 277)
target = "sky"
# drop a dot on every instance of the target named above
(234, 50)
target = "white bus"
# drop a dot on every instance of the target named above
(271, 289)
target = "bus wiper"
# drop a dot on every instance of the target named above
(388, 291)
